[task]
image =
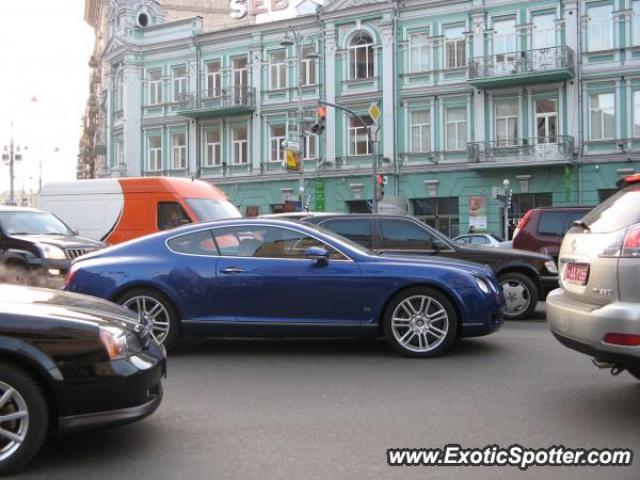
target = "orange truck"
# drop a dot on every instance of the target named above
(118, 209)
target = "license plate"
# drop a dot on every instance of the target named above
(576, 273)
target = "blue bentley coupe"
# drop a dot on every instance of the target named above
(280, 278)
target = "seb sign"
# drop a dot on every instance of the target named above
(242, 8)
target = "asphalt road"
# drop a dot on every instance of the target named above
(325, 409)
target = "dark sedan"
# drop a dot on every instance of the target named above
(271, 277)
(525, 277)
(70, 362)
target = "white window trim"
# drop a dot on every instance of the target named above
(458, 148)
(281, 70)
(612, 28)
(179, 84)
(508, 142)
(155, 90)
(234, 142)
(635, 113)
(208, 161)
(423, 148)
(425, 49)
(213, 80)
(278, 139)
(307, 81)
(178, 152)
(154, 154)
(307, 153)
(635, 23)
(601, 110)
(352, 56)
(352, 136)
(460, 63)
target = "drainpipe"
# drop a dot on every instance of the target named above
(580, 99)
(396, 108)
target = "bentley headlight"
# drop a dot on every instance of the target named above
(52, 252)
(483, 285)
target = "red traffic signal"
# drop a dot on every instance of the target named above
(321, 113)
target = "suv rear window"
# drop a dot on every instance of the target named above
(616, 212)
(358, 231)
(552, 223)
(405, 235)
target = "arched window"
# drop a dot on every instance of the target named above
(361, 57)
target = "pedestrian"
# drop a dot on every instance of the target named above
(472, 229)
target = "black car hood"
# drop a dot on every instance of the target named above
(496, 252)
(72, 307)
(470, 267)
(62, 241)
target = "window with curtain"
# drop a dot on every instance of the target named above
(277, 133)
(154, 152)
(361, 57)
(213, 79)
(456, 128)
(358, 139)
(179, 151)
(419, 52)
(239, 142)
(179, 78)
(212, 147)
(600, 27)
(506, 122)
(455, 47)
(278, 69)
(420, 127)
(602, 113)
(155, 87)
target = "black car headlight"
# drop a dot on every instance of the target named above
(551, 267)
(119, 343)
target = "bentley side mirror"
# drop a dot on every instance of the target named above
(320, 254)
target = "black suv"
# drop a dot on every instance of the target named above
(36, 247)
(525, 276)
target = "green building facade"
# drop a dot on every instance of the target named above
(544, 94)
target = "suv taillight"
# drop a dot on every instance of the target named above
(522, 223)
(625, 245)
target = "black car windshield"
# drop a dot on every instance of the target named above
(32, 223)
(616, 212)
(208, 209)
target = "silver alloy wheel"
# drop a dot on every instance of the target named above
(517, 297)
(420, 323)
(154, 312)
(14, 420)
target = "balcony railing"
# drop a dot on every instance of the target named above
(217, 102)
(543, 64)
(558, 148)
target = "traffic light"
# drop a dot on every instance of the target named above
(321, 114)
(379, 187)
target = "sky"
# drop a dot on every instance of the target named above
(45, 47)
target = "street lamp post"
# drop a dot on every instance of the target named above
(506, 185)
(12, 156)
(298, 42)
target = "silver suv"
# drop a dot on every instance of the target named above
(597, 309)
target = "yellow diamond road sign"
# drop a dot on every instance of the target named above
(374, 112)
